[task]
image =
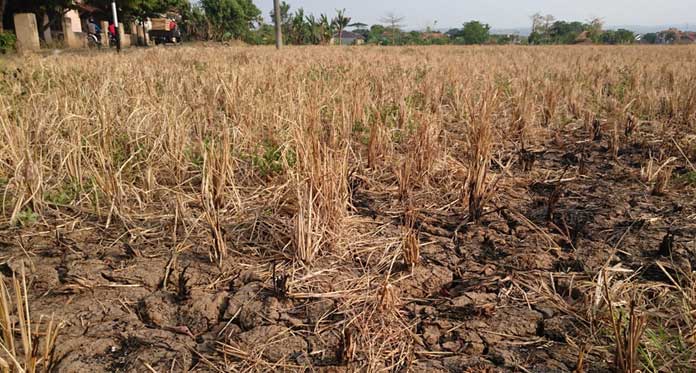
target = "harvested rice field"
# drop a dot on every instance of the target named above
(440, 209)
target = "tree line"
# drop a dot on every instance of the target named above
(548, 30)
(242, 20)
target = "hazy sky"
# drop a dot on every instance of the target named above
(502, 13)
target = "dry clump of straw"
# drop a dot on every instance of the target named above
(35, 350)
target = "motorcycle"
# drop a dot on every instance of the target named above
(94, 41)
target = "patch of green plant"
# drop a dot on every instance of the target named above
(416, 100)
(390, 113)
(121, 150)
(8, 41)
(62, 196)
(27, 217)
(688, 178)
(359, 127)
(662, 349)
(270, 161)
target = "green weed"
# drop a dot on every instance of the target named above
(270, 162)
(662, 349)
(688, 178)
(27, 217)
(62, 196)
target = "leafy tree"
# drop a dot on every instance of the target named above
(139, 9)
(195, 23)
(376, 34)
(230, 18)
(650, 38)
(535, 38)
(594, 29)
(474, 32)
(340, 22)
(314, 28)
(298, 32)
(621, 36)
(624, 36)
(562, 32)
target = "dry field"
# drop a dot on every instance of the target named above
(340, 209)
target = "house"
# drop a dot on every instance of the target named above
(583, 38)
(675, 36)
(348, 38)
(689, 37)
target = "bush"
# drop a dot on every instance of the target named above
(7, 42)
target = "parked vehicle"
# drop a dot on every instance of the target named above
(164, 30)
(94, 41)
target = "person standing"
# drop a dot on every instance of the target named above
(93, 28)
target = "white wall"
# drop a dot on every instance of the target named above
(74, 20)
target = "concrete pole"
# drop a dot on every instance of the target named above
(278, 32)
(27, 32)
(48, 36)
(105, 33)
(117, 29)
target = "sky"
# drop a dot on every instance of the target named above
(501, 14)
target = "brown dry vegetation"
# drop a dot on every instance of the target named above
(335, 209)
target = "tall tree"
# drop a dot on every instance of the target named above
(394, 25)
(231, 18)
(376, 35)
(537, 22)
(299, 28)
(314, 29)
(594, 29)
(475, 32)
(326, 28)
(132, 9)
(340, 22)
(620, 36)
(650, 38)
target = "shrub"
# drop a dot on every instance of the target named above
(8, 41)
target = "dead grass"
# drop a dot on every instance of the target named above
(306, 158)
(34, 350)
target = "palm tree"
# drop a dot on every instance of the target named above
(326, 28)
(298, 27)
(315, 32)
(340, 22)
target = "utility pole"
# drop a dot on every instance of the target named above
(278, 32)
(116, 28)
